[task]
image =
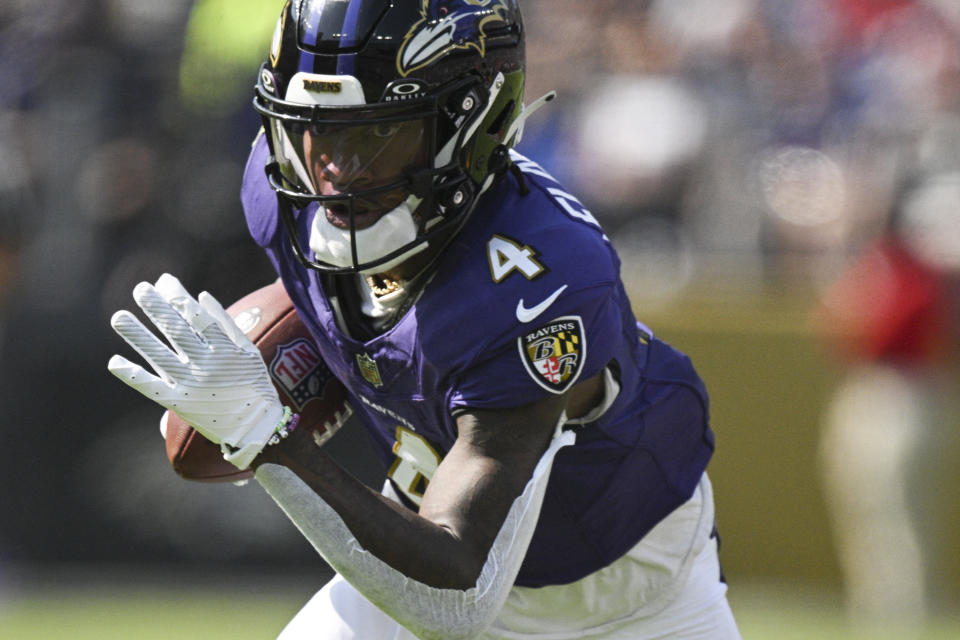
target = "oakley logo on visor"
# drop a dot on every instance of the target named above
(404, 90)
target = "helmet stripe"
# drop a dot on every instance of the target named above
(311, 23)
(346, 64)
(350, 38)
(306, 62)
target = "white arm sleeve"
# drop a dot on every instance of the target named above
(428, 612)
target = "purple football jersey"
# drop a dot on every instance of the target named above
(523, 303)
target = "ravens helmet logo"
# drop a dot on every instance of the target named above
(448, 25)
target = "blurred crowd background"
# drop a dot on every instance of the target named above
(780, 177)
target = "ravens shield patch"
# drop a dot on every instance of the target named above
(553, 354)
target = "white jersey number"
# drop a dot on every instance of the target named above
(506, 256)
(416, 463)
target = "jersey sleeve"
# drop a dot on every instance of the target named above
(258, 199)
(573, 341)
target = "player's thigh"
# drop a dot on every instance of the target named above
(700, 611)
(340, 612)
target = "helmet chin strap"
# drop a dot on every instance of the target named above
(333, 245)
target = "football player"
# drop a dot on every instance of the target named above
(546, 453)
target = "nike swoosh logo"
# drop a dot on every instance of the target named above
(529, 315)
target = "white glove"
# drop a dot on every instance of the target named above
(213, 376)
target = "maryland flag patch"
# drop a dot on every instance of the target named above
(553, 354)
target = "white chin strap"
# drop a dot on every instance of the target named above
(332, 245)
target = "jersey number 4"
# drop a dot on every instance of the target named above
(506, 256)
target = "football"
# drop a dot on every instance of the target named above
(302, 379)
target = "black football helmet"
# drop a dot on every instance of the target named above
(390, 117)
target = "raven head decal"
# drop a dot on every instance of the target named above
(445, 26)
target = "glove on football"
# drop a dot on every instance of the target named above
(213, 376)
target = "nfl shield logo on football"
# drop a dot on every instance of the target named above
(369, 369)
(300, 371)
(553, 354)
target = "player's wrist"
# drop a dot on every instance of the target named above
(287, 424)
(276, 425)
(298, 450)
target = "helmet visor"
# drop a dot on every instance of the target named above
(369, 163)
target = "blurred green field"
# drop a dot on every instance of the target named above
(155, 613)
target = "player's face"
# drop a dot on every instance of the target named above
(345, 160)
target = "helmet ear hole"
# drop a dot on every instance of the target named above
(499, 124)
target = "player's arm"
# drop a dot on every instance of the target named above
(491, 462)
(445, 572)
(464, 505)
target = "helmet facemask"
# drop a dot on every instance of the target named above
(381, 186)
